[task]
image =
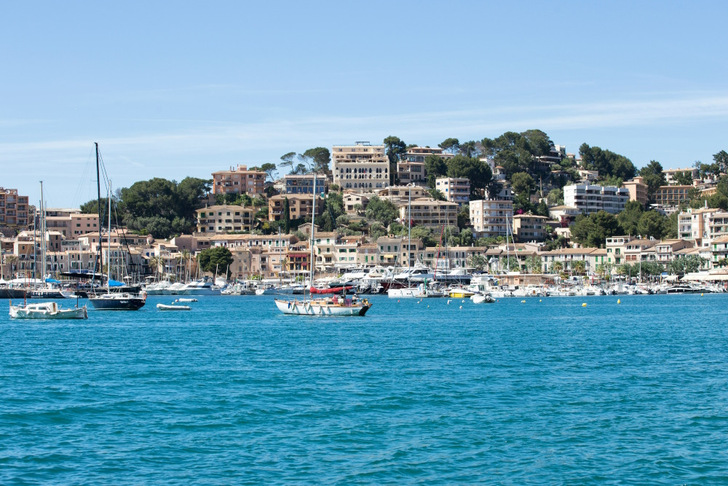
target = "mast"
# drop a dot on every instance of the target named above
(313, 222)
(42, 234)
(98, 206)
(108, 245)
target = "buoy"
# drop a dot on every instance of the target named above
(619, 301)
(448, 301)
(539, 300)
(701, 295)
(463, 301)
(584, 304)
(461, 307)
(523, 302)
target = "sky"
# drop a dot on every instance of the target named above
(183, 88)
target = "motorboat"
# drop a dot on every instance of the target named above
(329, 306)
(46, 310)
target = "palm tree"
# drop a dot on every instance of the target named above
(557, 267)
(154, 262)
(579, 267)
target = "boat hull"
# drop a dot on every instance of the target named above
(321, 308)
(41, 313)
(117, 302)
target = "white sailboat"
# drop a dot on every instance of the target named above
(331, 304)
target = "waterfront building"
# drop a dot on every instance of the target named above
(568, 257)
(455, 189)
(529, 227)
(394, 250)
(14, 209)
(491, 218)
(239, 180)
(590, 198)
(367, 254)
(429, 212)
(303, 183)
(225, 218)
(637, 190)
(361, 167)
(667, 249)
(719, 251)
(299, 205)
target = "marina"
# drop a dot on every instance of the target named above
(466, 393)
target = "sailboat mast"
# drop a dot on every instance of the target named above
(98, 206)
(42, 234)
(108, 244)
(313, 222)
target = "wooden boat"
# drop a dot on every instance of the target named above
(46, 310)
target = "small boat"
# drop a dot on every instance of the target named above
(183, 299)
(482, 298)
(165, 307)
(460, 293)
(46, 310)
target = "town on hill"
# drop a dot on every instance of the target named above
(518, 202)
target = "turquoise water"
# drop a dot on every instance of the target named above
(541, 392)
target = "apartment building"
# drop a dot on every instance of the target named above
(300, 206)
(238, 180)
(672, 195)
(13, 208)
(71, 222)
(429, 212)
(591, 198)
(491, 218)
(529, 227)
(361, 167)
(702, 225)
(225, 218)
(303, 183)
(671, 173)
(353, 202)
(455, 189)
(401, 194)
(637, 190)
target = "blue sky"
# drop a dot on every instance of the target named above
(176, 89)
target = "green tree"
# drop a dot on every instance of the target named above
(606, 162)
(288, 160)
(286, 216)
(651, 224)
(269, 169)
(381, 210)
(321, 158)
(394, 148)
(684, 178)
(451, 145)
(478, 262)
(435, 167)
(629, 218)
(555, 197)
(475, 170)
(376, 230)
(653, 178)
(721, 161)
(469, 149)
(593, 230)
(217, 259)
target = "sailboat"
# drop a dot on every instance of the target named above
(112, 300)
(333, 305)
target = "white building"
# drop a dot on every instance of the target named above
(361, 167)
(591, 199)
(491, 218)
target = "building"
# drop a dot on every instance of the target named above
(303, 183)
(591, 199)
(411, 166)
(394, 250)
(353, 203)
(529, 227)
(361, 167)
(672, 195)
(225, 218)
(670, 174)
(71, 222)
(430, 213)
(13, 208)
(702, 225)
(455, 189)
(565, 215)
(491, 218)
(299, 205)
(637, 190)
(401, 194)
(238, 181)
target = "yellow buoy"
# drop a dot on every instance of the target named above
(584, 304)
(701, 295)
(523, 302)
(619, 301)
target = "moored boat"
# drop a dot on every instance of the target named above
(46, 310)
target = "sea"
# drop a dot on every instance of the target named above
(549, 390)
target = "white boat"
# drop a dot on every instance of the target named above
(482, 298)
(333, 304)
(46, 310)
(183, 299)
(328, 306)
(165, 307)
